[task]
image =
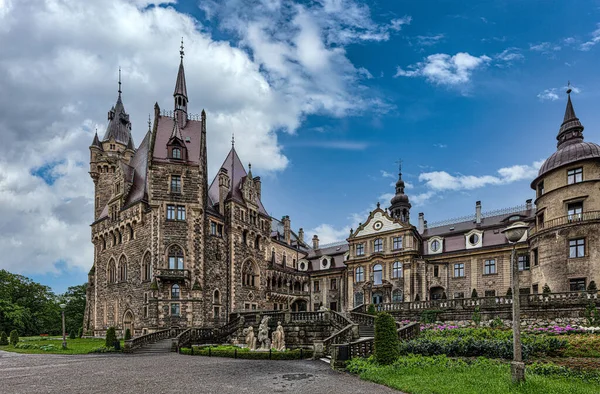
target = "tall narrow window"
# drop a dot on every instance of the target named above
(213, 228)
(174, 309)
(360, 274)
(575, 175)
(436, 271)
(112, 272)
(146, 268)
(397, 270)
(377, 275)
(535, 257)
(180, 212)
(170, 212)
(216, 297)
(540, 188)
(358, 299)
(316, 286)
(175, 184)
(175, 258)
(489, 267)
(397, 243)
(123, 269)
(360, 249)
(523, 260)
(577, 248)
(378, 245)
(459, 270)
(333, 284)
(176, 153)
(175, 292)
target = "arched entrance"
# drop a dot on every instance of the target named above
(299, 306)
(436, 293)
(128, 323)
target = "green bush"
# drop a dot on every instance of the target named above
(371, 309)
(14, 337)
(496, 323)
(430, 315)
(546, 289)
(476, 315)
(549, 369)
(244, 353)
(474, 293)
(592, 315)
(80, 332)
(127, 334)
(386, 339)
(111, 338)
(3, 339)
(72, 335)
(509, 292)
(25, 345)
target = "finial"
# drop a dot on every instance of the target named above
(569, 90)
(233, 140)
(149, 122)
(181, 53)
(249, 166)
(399, 162)
(119, 81)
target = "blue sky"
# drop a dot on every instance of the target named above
(324, 97)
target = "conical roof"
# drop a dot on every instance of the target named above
(119, 126)
(180, 85)
(571, 128)
(96, 141)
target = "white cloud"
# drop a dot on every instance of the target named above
(586, 46)
(421, 198)
(386, 174)
(552, 94)
(59, 63)
(508, 57)
(365, 73)
(429, 40)
(444, 69)
(441, 146)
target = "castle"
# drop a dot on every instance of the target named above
(173, 250)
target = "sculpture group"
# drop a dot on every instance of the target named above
(277, 340)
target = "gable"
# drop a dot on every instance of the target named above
(379, 223)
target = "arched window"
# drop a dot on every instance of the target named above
(360, 274)
(397, 270)
(122, 269)
(114, 239)
(146, 268)
(358, 299)
(273, 256)
(119, 237)
(103, 243)
(284, 259)
(378, 245)
(217, 297)
(245, 237)
(175, 258)
(397, 295)
(175, 292)
(131, 234)
(249, 275)
(377, 275)
(176, 153)
(112, 271)
(257, 242)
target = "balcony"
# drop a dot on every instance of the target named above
(565, 220)
(173, 275)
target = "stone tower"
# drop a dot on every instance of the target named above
(400, 206)
(567, 227)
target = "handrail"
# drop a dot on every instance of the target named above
(142, 340)
(562, 220)
(338, 319)
(344, 335)
(365, 347)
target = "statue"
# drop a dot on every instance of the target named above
(263, 334)
(278, 338)
(250, 338)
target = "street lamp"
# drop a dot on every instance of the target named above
(64, 343)
(513, 234)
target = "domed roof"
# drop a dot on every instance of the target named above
(399, 198)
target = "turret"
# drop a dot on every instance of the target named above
(180, 94)
(287, 229)
(400, 206)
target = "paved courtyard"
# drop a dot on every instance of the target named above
(170, 373)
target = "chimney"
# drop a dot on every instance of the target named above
(301, 235)
(257, 186)
(528, 205)
(223, 189)
(315, 242)
(478, 212)
(287, 231)
(421, 223)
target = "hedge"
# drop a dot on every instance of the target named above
(296, 354)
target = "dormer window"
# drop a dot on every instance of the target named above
(176, 153)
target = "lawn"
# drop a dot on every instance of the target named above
(74, 346)
(442, 375)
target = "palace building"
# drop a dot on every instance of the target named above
(173, 249)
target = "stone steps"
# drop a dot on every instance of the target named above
(163, 346)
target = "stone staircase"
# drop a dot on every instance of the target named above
(365, 331)
(159, 347)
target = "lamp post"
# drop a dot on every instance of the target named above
(513, 234)
(64, 342)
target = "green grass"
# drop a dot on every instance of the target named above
(74, 346)
(441, 375)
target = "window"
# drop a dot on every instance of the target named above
(360, 274)
(174, 309)
(358, 299)
(459, 270)
(378, 245)
(397, 270)
(216, 312)
(377, 275)
(577, 284)
(459, 295)
(540, 220)
(540, 188)
(147, 268)
(180, 212)
(577, 248)
(575, 176)
(217, 297)
(397, 243)
(490, 293)
(316, 287)
(284, 262)
(535, 257)
(175, 292)
(474, 239)
(523, 261)
(535, 289)
(360, 249)
(219, 230)
(574, 211)
(249, 275)
(170, 212)
(112, 272)
(397, 296)
(489, 267)
(436, 271)
(213, 228)
(333, 284)
(175, 258)
(324, 262)
(123, 269)
(435, 245)
(175, 184)
(176, 153)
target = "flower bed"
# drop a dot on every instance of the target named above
(237, 352)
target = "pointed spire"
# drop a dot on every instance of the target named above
(119, 125)
(176, 133)
(130, 144)
(571, 129)
(180, 85)
(96, 141)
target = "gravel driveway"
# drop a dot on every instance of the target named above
(170, 373)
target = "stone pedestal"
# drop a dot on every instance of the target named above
(517, 371)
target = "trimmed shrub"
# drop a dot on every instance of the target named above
(371, 309)
(417, 298)
(546, 289)
(592, 287)
(3, 339)
(14, 337)
(474, 293)
(477, 315)
(386, 339)
(80, 332)
(127, 334)
(111, 337)
(429, 316)
(72, 334)
(245, 353)
(509, 292)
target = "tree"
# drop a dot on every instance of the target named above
(14, 337)
(3, 339)
(474, 293)
(387, 344)
(111, 337)
(80, 332)
(74, 299)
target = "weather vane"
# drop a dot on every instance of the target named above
(181, 49)
(399, 162)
